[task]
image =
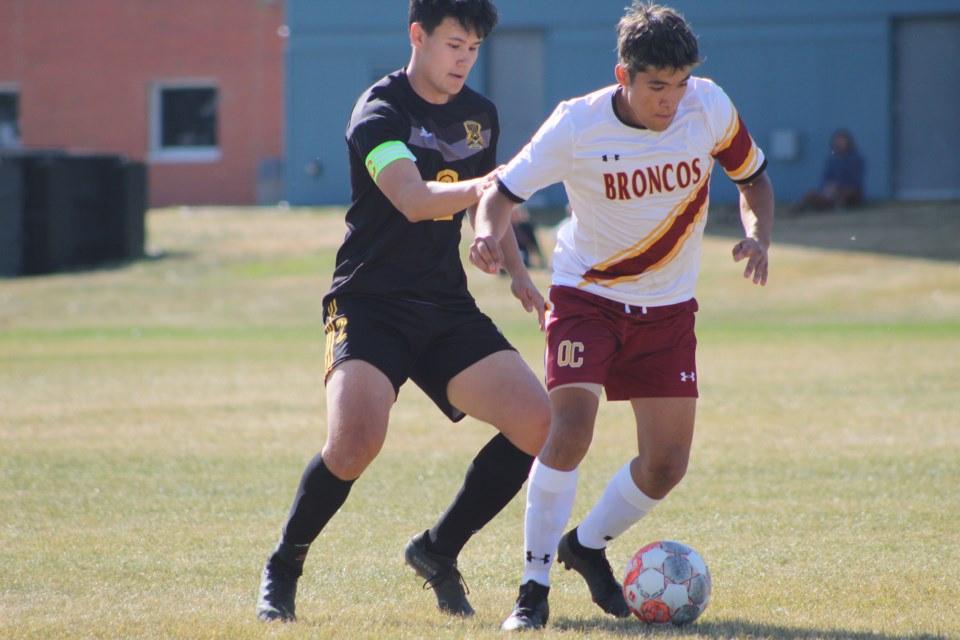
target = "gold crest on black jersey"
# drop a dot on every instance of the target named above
(474, 137)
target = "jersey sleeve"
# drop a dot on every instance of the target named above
(377, 133)
(545, 160)
(735, 149)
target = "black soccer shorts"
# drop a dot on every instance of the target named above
(426, 343)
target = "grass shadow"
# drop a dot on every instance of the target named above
(720, 629)
(110, 265)
(925, 230)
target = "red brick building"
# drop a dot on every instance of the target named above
(192, 88)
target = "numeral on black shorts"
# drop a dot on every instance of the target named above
(336, 333)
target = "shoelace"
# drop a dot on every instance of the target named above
(441, 576)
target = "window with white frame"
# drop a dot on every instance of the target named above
(184, 117)
(9, 116)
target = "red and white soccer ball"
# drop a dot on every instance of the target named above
(667, 582)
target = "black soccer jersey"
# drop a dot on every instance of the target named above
(383, 252)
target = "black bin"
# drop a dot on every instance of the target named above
(11, 219)
(75, 210)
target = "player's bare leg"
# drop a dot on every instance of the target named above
(664, 438)
(550, 495)
(573, 411)
(501, 390)
(664, 434)
(359, 398)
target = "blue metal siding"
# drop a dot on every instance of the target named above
(806, 68)
(809, 78)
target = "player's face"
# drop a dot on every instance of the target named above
(651, 99)
(442, 60)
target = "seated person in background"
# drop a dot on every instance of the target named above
(526, 237)
(842, 178)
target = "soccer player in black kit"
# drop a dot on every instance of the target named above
(422, 150)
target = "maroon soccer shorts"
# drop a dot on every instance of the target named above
(634, 352)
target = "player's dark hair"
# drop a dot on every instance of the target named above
(478, 16)
(655, 36)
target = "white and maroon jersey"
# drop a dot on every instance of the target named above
(639, 197)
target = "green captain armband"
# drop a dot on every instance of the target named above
(385, 154)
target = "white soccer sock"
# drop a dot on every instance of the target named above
(619, 508)
(550, 495)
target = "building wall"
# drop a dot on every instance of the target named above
(85, 69)
(796, 71)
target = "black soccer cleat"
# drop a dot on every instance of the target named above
(531, 610)
(593, 566)
(278, 594)
(440, 574)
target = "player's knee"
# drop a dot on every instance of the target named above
(565, 450)
(347, 466)
(660, 475)
(539, 423)
(348, 458)
(527, 425)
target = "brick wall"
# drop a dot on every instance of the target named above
(85, 69)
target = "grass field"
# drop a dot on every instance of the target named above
(155, 418)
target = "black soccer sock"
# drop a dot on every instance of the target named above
(288, 557)
(493, 479)
(319, 496)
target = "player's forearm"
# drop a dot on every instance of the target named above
(432, 200)
(418, 200)
(757, 203)
(493, 215)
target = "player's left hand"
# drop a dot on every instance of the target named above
(526, 292)
(755, 253)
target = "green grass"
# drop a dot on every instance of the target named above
(155, 418)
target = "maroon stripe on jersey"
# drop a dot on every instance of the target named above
(733, 156)
(660, 248)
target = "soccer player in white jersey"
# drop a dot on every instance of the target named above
(635, 159)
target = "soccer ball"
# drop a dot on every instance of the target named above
(665, 582)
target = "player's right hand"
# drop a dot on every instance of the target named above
(755, 253)
(530, 297)
(488, 181)
(485, 254)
